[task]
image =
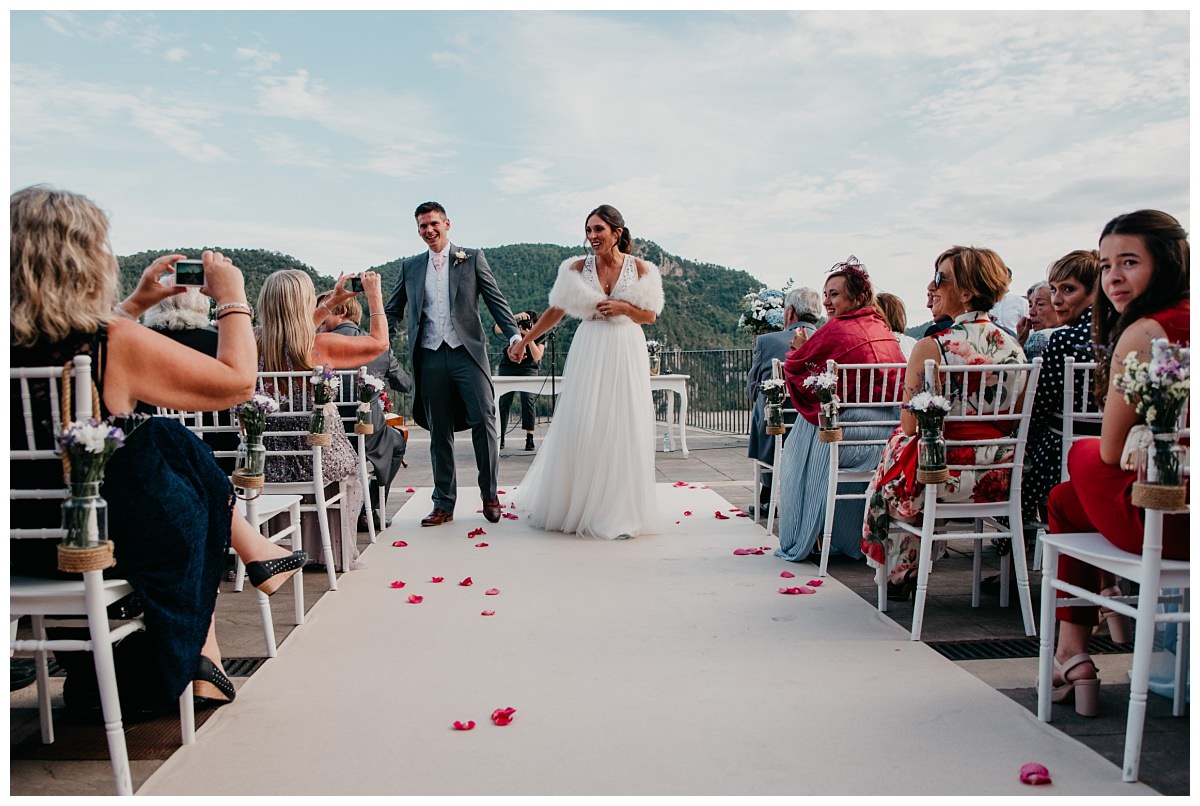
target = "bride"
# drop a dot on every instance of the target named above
(594, 475)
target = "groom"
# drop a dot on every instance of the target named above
(453, 379)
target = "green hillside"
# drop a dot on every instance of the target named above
(702, 298)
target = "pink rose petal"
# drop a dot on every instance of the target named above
(436, 579)
(467, 581)
(399, 544)
(795, 591)
(786, 574)
(415, 599)
(501, 492)
(491, 592)
(488, 613)
(1034, 774)
(679, 484)
(503, 716)
(481, 545)
(721, 516)
(740, 514)
(741, 552)
(410, 490)
(510, 516)
(764, 548)
(397, 584)
(687, 512)
(468, 725)
(816, 583)
(677, 523)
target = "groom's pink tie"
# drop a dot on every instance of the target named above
(438, 260)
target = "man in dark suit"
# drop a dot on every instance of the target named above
(801, 309)
(446, 348)
(385, 446)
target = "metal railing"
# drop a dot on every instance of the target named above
(716, 391)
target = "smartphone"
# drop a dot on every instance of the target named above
(355, 284)
(189, 272)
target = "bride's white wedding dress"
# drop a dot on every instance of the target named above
(594, 474)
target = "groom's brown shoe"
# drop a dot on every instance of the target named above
(437, 518)
(491, 510)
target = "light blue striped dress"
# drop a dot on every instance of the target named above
(804, 480)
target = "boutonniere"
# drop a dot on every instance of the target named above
(460, 256)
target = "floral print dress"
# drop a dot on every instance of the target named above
(972, 339)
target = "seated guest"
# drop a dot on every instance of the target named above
(170, 512)
(385, 446)
(287, 342)
(801, 309)
(1033, 332)
(1144, 295)
(854, 334)
(897, 318)
(184, 318)
(966, 284)
(1073, 279)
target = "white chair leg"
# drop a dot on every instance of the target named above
(41, 668)
(187, 717)
(1046, 641)
(298, 577)
(1182, 647)
(1024, 595)
(1006, 571)
(1036, 565)
(239, 574)
(924, 561)
(830, 508)
(326, 542)
(976, 572)
(268, 623)
(881, 575)
(106, 681)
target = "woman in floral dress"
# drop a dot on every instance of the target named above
(966, 283)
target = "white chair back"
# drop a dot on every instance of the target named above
(1080, 415)
(875, 390)
(37, 392)
(984, 395)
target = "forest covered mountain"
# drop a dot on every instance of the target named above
(703, 299)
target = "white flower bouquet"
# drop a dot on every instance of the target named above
(87, 447)
(762, 311)
(325, 385)
(824, 386)
(930, 410)
(1158, 391)
(367, 387)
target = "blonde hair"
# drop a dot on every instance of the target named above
(349, 308)
(285, 332)
(62, 275)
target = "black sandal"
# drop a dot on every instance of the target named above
(211, 684)
(268, 575)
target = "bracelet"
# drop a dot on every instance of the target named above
(119, 310)
(238, 306)
(221, 316)
(379, 314)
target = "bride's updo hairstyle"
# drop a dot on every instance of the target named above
(611, 216)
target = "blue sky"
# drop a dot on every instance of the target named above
(774, 142)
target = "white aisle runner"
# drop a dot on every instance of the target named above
(660, 665)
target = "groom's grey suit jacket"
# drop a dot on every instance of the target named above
(470, 278)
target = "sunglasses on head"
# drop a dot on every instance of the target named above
(938, 277)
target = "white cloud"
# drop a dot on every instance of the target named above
(258, 59)
(175, 54)
(522, 176)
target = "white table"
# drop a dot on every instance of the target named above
(541, 385)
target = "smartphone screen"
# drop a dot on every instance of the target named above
(189, 272)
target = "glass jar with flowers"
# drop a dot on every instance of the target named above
(773, 389)
(1158, 391)
(930, 410)
(325, 385)
(252, 455)
(824, 386)
(367, 387)
(86, 448)
(652, 347)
